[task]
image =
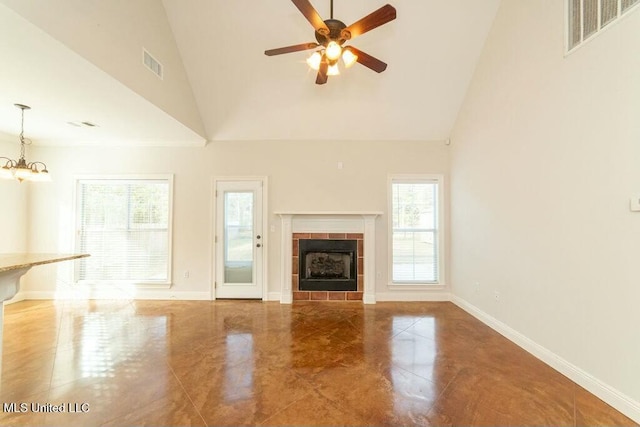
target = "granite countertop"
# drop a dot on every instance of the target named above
(10, 262)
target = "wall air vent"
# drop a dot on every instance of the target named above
(151, 63)
(587, 18)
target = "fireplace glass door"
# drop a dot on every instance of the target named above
(327, 265)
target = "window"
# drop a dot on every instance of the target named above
(125, 224)
(586, 17)
(416, 238)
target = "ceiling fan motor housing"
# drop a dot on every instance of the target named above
(336, 33)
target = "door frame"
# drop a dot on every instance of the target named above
(265, 223)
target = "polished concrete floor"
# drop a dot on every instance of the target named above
(253, 363)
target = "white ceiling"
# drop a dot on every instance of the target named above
(241, 94)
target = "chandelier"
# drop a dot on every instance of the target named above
(21, 169)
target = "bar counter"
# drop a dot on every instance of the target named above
(14, 266)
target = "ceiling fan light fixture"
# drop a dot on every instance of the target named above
(348, 57)
(333, 70)
(314, 60)
(334, 50)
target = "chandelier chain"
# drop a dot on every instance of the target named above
(22, 142)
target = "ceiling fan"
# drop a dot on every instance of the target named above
(331, 34)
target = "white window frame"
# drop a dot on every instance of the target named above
(583, 41)
(144, 177)
(441, 230)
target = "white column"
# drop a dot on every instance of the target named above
(369, 296)
(286, 270)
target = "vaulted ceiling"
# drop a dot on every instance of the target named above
(81, 60)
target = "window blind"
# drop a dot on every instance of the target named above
(124, 225)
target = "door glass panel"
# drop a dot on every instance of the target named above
(238, 237)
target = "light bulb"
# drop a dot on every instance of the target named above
(349, 58)
(333, 51)
(333, 70)
(314, 60)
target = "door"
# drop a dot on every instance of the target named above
(239, 239)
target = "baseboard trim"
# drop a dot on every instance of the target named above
(114, 294)
(273, 296)
(613, 397)
(135, 294)
(286, 298)
(368, 298)
(404, 296)
(16, 298)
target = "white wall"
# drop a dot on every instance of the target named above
(13, 204)
(545, 156)
(302, 176)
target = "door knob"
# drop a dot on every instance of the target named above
(258, 236)
(258, 245)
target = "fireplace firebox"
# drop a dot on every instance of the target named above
(328, 265)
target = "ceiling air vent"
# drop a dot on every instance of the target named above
(151, 63)
(82, 124)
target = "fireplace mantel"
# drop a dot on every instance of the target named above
(328, 222)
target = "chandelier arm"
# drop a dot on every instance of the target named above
(9, 162)
(32, 165)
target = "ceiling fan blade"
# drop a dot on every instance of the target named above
(312, 16)
(322, 72)
(375, 19)
(368, 61)
(289, 49)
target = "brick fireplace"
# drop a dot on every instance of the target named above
(338, 226)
